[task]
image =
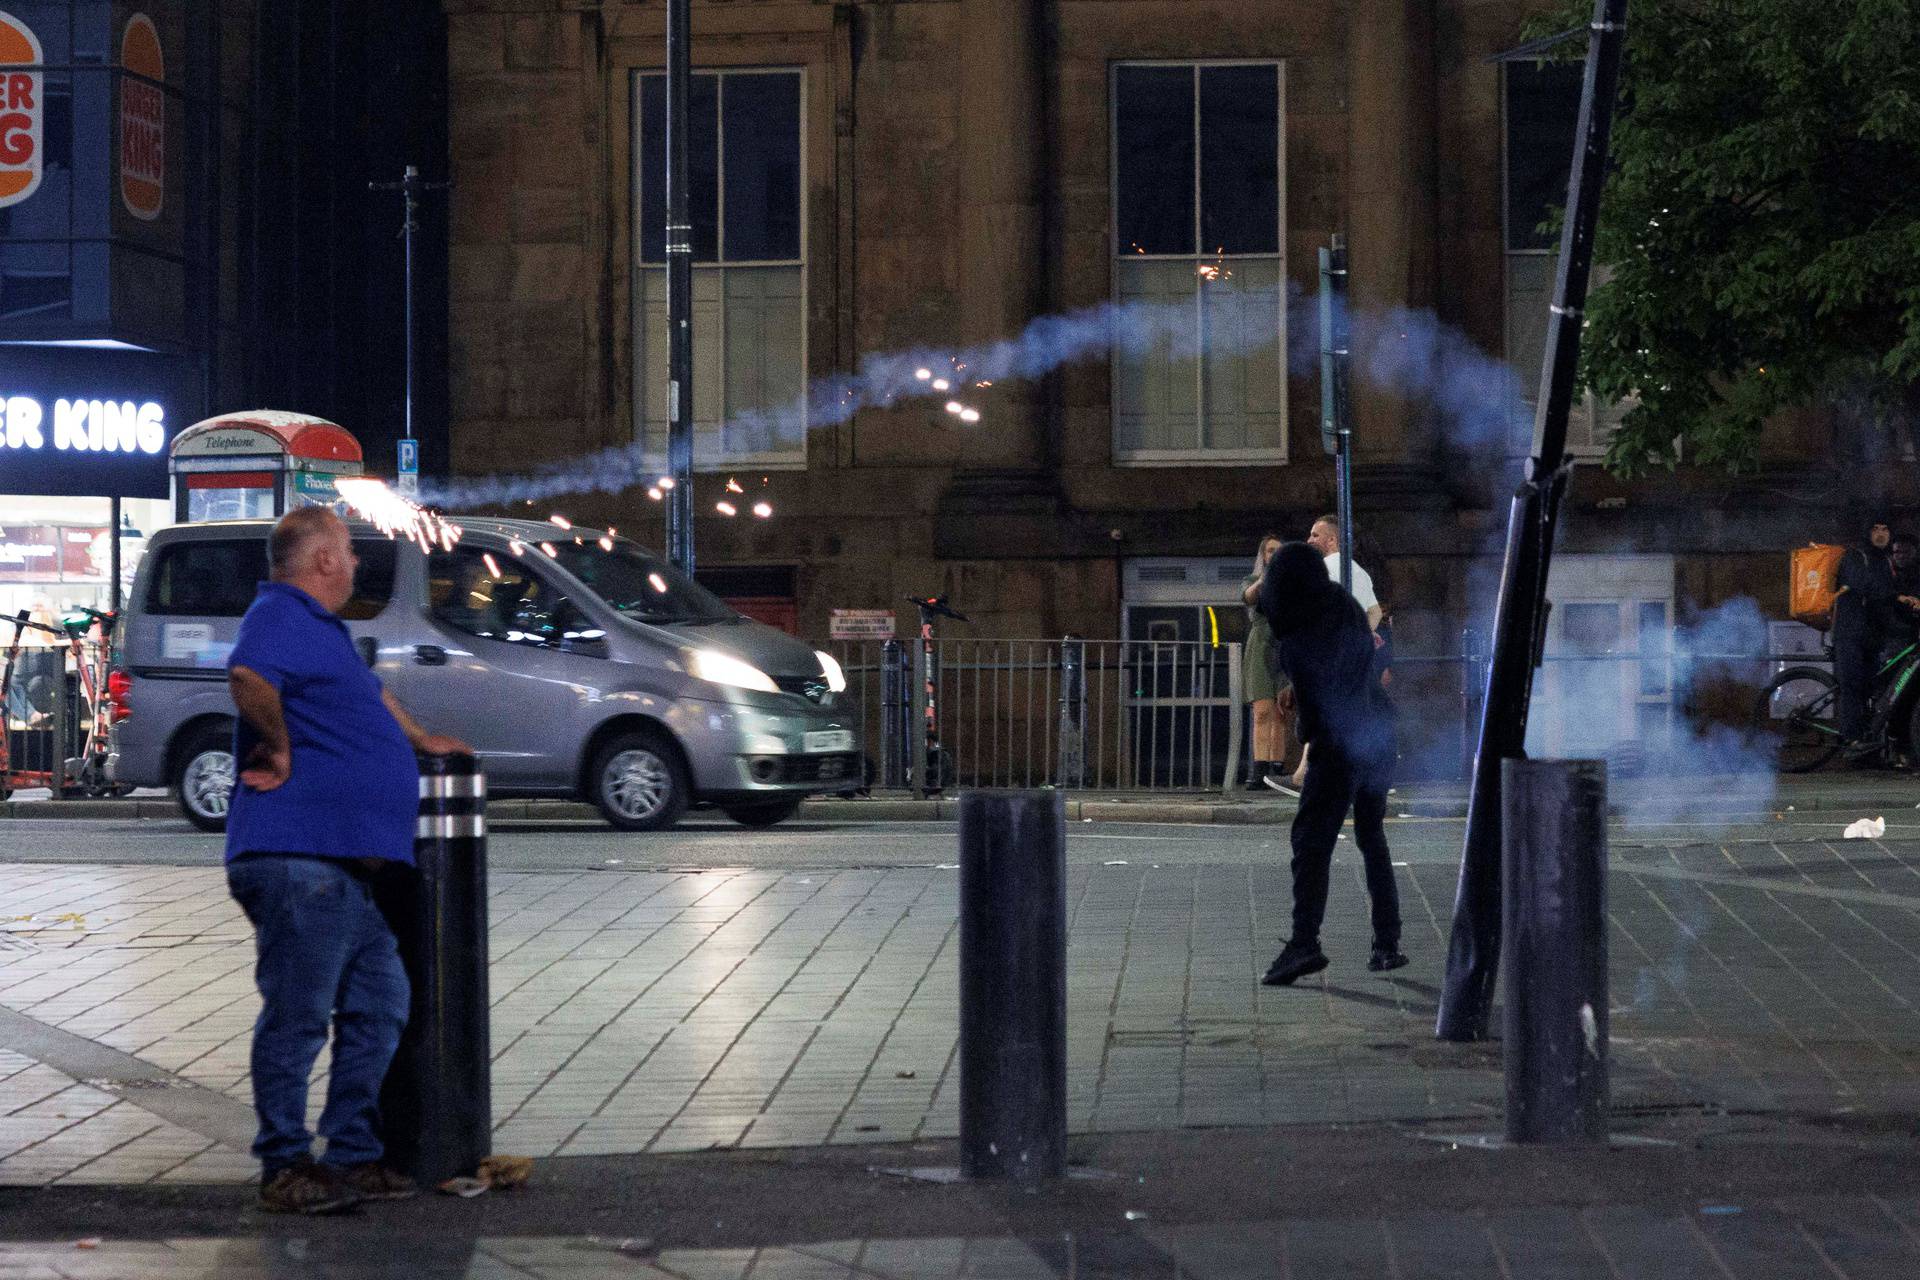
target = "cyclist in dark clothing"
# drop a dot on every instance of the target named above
(1866, 588)
(1897, 617)
(1324, 646)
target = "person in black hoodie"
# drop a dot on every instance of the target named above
(1866, 589)
(1324, 646)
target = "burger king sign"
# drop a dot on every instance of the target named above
(143, 120)
(21, 154)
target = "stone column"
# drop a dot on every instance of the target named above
(1003, 274)
(1391, 216)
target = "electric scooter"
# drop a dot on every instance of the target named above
(938, 771)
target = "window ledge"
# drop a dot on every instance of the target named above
(1201, 458)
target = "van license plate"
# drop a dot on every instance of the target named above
(828, 740)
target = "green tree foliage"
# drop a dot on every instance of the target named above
(1762, 223)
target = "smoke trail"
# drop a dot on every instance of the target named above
(1410, 353)
(1578, 703)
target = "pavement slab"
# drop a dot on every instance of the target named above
(660, 1011)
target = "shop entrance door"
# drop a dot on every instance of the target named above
(1179, 616)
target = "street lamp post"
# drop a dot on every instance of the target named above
(679, 244)
(410, 186)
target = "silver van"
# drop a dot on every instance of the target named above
(575, 663)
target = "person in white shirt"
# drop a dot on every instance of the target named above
(1324, 537)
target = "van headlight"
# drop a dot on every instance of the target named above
(724, 668)
(836, 678)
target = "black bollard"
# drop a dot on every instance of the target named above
(437, 1105)
(1555, 925)
(1013, 984)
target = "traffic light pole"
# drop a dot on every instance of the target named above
(679, 242)
(1519, 626)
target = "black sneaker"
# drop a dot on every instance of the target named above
(1385, 958)
(1295, 961)
(307, 1188)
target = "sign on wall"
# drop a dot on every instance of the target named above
(91, 424)
(860, 624)
(143, 120)
(22, 112)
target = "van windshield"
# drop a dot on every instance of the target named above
(640, 584)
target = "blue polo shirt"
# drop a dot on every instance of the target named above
(355, 787)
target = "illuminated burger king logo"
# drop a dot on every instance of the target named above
(21, 154)
(143, 120)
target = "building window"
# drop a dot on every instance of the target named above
(749, 276)
(1199, 229)
(1541, 114)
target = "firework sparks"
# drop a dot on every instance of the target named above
(726, 508)
(663, 483)
(763, 509)
(493, 566)
(733, 486)
(969, 415)
(549, 549)
(654, 493)
(923, 374)
(606, 544)
(560, 521)
(394, 515)
(954, 406)
(941, 384)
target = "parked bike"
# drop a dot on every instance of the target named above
(1798, 713)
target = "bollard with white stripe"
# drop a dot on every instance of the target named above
(436, 1107)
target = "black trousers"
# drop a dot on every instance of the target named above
(1336, 783)
(1855, 659)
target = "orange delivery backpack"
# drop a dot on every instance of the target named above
(1815, 584)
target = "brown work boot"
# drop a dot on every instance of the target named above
(307, 1188)
(374, 1181)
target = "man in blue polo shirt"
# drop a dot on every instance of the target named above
(328, 794)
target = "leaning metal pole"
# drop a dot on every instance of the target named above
(1336, 413)
(679, 241)
(1473, 952)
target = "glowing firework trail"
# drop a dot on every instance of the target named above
(395, 515)
(1410, 353)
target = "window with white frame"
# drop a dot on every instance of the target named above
(1199, 237)
(746, 176)
(1541, 113)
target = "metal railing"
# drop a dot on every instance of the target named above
(1081, 714)
(45, 718)
(1171, 715)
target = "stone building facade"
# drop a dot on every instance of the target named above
(963, 167)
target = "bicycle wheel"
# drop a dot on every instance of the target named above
(1797, 719)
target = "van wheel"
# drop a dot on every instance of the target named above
(763, 815)
(203, 781)
(639, 782)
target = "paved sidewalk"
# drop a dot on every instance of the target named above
(654, 1011)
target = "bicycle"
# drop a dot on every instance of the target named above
(1799, 712)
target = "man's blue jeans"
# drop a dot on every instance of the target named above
(325, 955)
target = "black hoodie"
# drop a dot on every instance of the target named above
(1323, 644)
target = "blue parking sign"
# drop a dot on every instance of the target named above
(409, 457)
